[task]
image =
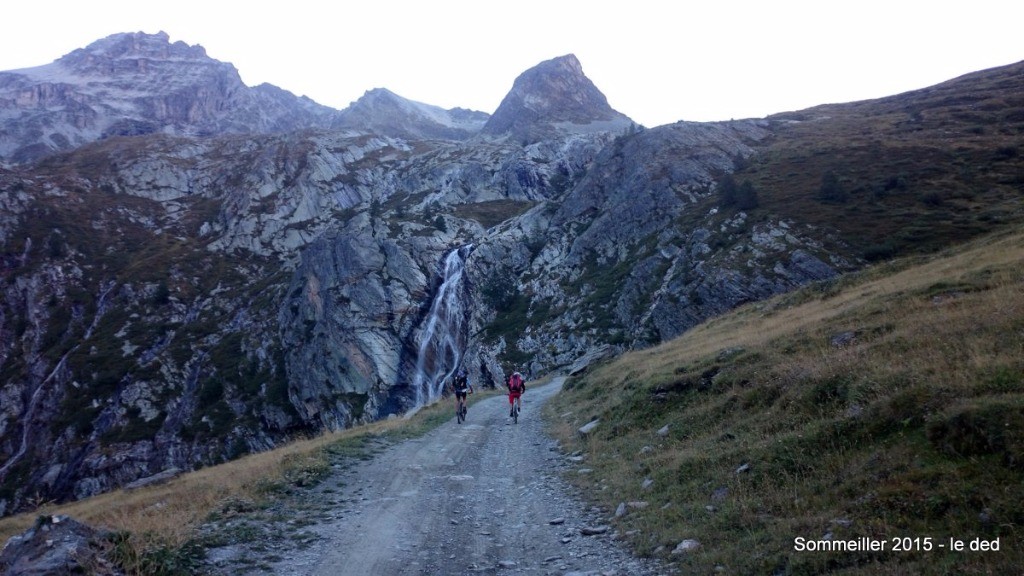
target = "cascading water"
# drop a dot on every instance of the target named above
(442, 339)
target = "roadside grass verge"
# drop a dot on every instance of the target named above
(155, 528)
(887, 404)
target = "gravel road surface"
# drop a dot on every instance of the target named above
(482, 497)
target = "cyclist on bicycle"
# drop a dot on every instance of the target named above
(461, 387)
(516, 386)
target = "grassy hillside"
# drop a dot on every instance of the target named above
(906, 174)
(887, 404)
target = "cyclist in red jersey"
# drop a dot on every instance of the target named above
(516, 386)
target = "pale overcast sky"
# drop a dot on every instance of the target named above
(657, 61)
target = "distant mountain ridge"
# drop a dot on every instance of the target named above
(383, 112)
(132, 84)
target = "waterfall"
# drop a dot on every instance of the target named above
(37, 395)
(442, 339)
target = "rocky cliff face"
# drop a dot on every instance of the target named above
(133, 84)
(637, 251)
(172, 300)
(551, 99)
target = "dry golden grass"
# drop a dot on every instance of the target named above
(756, 325)
(167, 515)
(173, 509)
(913, 427)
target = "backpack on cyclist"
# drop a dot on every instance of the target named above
(515, 383)
(461, 383)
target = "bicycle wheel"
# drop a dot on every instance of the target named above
(459, 415)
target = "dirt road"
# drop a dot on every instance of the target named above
(481, 497)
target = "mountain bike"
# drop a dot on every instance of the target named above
(460, 410)
(515, 409)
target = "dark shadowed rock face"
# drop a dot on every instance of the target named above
(57, 545)
(551, 98)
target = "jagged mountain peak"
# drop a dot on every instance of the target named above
(136, 83)
(139, 61)
(554, 96)
(383, 112)
(568, 63)
(379, 94)
(134, 45)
